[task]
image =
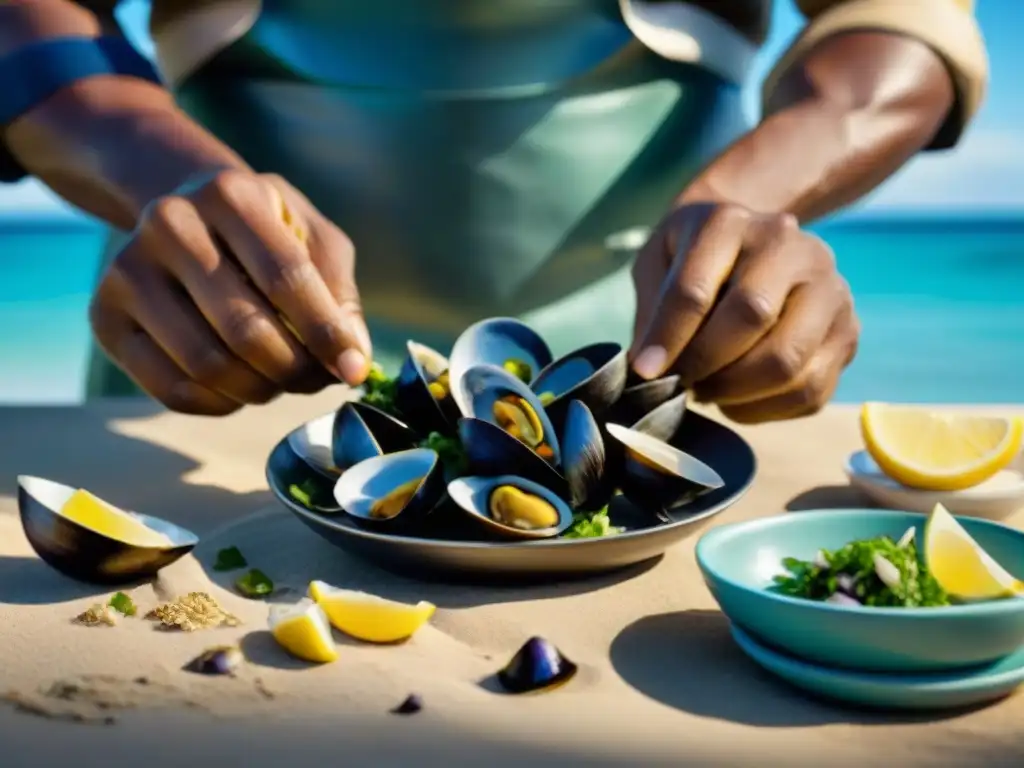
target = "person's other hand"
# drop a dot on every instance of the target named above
(748, 308)
(196, 308)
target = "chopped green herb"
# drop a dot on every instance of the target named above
(592, 525)
(254, 583)
(381, 391)
(451, 452)
(230, 559)
(123, 604)
(854, 572)
(300, 494)
(312, 494)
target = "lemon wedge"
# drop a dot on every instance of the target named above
(97, 515)
(959, 564)
(938, 451)
(302, 629)
(368, 617)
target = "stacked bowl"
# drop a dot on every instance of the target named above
(954, 655)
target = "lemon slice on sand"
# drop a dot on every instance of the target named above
(368, 617)
(938, 451)
(96, 515)
(302, 629)
(960, 565)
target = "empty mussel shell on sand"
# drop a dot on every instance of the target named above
(504, 342)
(313, 443)
(512, 507)
(362, 431)
(423, 393)
(537, 666)
(392, 492)
(90, 540)
(493, 394)
(595, 375)
(655, 473)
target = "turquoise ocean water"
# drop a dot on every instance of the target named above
(941, 302)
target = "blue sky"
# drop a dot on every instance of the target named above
(985, 171)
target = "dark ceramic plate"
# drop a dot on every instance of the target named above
(454, 552)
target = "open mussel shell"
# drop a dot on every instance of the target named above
(595, 375)
(361, 432)
(664, 421)
(537, 666)
(424, 396)
(504, 342)
(394, 491)
(641, 397)
(313, 443)
(491, 451)
(655, 473)
(512, 507)
(495, 395)
(88, 555)
(584, 459)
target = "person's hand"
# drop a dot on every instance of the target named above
(197, 307)
(748, 308)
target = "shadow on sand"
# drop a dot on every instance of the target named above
(687, 660)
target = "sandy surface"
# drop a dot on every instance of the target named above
(660, 680)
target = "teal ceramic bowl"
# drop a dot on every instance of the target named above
(739, 560)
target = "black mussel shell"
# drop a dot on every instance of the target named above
(640, 398)
(537, 666)
(505, 342)
(656, 474)
(473, 496)
(491, 451)
(584, 459)
(595, 375)
(626, 514)
(311, 443)
(87, 555)
(366, 483)
(664, 421)
(412, 704)
(421, 368)
(221, 660)
(661, 423)
(482, 386)
(362, 431)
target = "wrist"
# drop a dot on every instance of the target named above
(112, 145)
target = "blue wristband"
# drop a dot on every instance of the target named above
(33, 74)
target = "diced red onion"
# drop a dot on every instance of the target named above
(838, 598)
(888, 573)
(846, 584)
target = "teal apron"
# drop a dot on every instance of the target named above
(486, 158)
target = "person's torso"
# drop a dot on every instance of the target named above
(486, 157)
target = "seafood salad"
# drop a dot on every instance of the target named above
(876, 572)
(503, 440)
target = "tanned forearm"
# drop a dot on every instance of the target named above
(108, 145)
(841, 121)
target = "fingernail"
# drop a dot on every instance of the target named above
(352, 366)
(650, 362)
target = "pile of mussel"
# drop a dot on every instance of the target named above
(541, 439)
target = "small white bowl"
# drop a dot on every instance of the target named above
(995, 499)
